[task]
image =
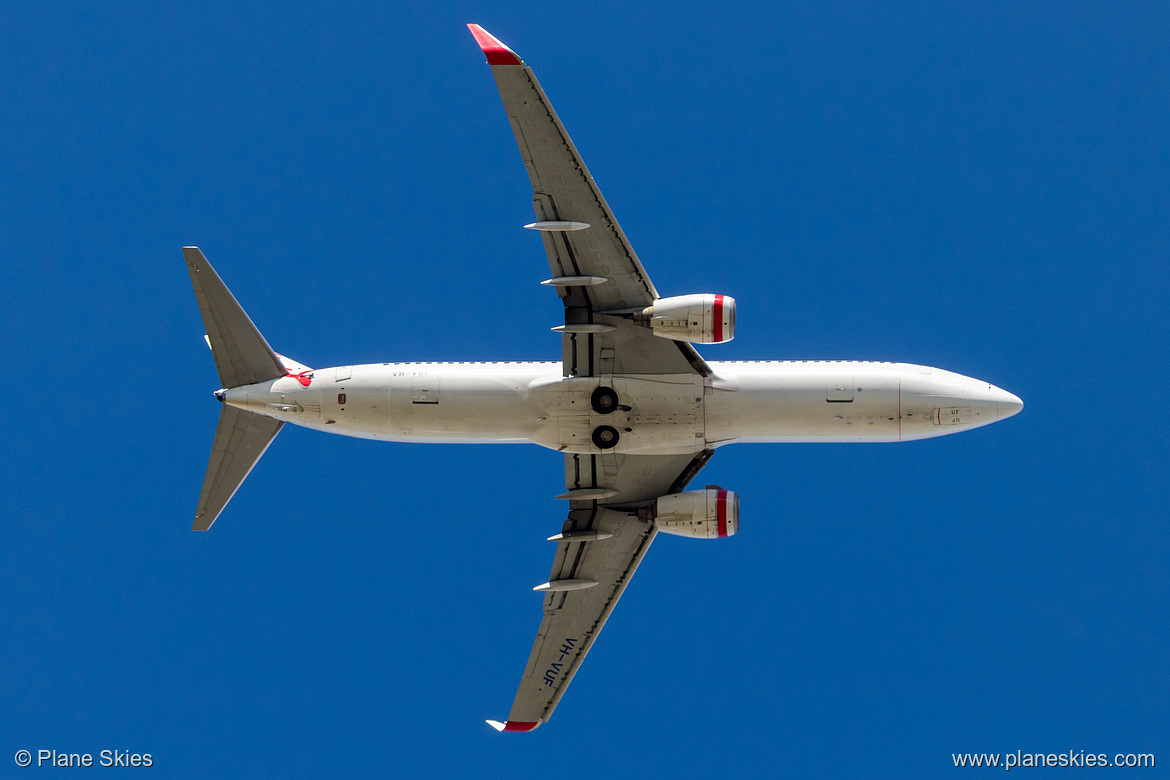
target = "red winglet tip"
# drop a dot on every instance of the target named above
(514, 725)
(497, 53)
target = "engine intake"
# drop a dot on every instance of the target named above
(699, 319)
(700, 514)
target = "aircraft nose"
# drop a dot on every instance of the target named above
(1007, 404)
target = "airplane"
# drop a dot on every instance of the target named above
(633, 407)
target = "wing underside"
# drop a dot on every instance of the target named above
(613, 546)
(564, 192)
(601, 283)
(581, 236)
(598, 550)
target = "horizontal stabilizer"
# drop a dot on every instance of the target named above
(240, 439)
(242, 356)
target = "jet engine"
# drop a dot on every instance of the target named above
(699, 319)
(701, 514)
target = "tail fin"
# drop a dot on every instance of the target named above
(242, 357)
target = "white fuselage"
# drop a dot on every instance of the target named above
(744, 401)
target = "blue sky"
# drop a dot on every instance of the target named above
(981, 188)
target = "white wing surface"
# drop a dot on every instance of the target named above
(593, 266)
(599, 571)
(598, 550)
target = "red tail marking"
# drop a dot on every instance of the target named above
(304, 377)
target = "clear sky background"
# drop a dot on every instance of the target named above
(980, 187)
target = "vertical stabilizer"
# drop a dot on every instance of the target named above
(240, 439)
(242, 356)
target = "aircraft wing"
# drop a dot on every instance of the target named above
(601, 282)
(597, 552)
(593, 266)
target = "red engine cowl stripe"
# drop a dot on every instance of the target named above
(718, 319)
(721, 511)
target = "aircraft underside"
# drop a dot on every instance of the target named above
(634, 409)
(760, 401)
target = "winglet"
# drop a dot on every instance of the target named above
(513, 725)
(497, 53)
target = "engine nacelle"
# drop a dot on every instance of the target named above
(699, 319)
(701, 514)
